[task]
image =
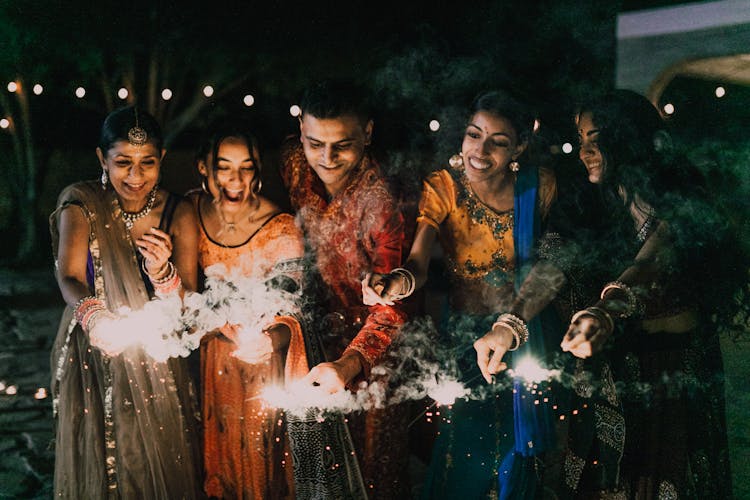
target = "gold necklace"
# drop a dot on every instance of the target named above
(131, 217)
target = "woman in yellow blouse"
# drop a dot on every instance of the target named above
(486, 210)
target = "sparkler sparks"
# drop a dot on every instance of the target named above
(531, 371)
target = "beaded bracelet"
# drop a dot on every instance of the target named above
(411, 282)
(633, 304)
(517, 326)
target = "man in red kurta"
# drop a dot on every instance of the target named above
(353, 225)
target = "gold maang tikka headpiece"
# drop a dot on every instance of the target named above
(136, 135)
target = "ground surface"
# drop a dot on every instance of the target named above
(30, 308)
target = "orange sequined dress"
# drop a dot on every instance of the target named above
(246, 450)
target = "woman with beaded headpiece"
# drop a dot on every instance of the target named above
(125, 421)
(653, 236)
(488, 210)
(247, 240)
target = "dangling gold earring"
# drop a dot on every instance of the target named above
(258, 187)
(105, 178)
(204, 187)
(514, 166)
(456, 161)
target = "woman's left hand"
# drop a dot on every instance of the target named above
(156, 248)
(585, 337)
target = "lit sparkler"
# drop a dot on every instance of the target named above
(531, 371)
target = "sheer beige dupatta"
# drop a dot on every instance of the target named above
(125, 424)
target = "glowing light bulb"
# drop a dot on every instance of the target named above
(567, 148)
(40, 393)
(12, 86)
(11, 390)
(295, 110)
(166, 94)
(37, 89)
(537, 124)
(669, 108)
(2, 385)
(4, 123)
(720, 92)
(208, 91)
(122, 93)
(249, 100)
(80, 92)
(434, 125)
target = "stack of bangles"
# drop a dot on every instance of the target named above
(633, 304)
(87, 309)
(168, 283)
(605, 319)
(408, 285)
(516, 325)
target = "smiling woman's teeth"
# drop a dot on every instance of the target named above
(233, 195)
(478, 164)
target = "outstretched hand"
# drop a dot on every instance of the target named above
(585, 337)
(381, 289)
(333, 376)
(490, 351)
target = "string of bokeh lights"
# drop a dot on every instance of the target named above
(7, 389)
(295, 111)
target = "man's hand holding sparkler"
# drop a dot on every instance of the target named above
(333, 376)
(386, 289)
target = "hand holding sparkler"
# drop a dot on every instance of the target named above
(385, 289)
(333, 376)
(497, 341)
(588, 331)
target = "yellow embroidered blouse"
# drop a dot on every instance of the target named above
(477, 241)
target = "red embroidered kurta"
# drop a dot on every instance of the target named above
(360, 230)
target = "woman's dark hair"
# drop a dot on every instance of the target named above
(636, 147)
(641, 159)
(336, 98)
(118, 123)
(216, 134)
(500, 103)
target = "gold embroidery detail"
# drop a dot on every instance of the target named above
(573, 469)
(610, 427)
(667, 491)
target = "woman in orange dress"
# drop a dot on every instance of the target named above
(246, 448)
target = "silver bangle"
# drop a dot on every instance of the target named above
(517, 325)
(633, 304)
(599, 313)
(411, 282)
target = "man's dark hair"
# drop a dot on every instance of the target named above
(336, 98)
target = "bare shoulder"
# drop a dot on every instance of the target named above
(184, 215)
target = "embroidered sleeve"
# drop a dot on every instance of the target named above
(384, 240)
